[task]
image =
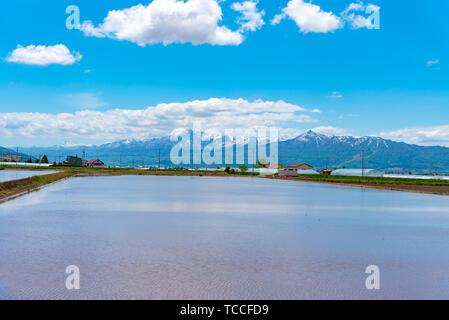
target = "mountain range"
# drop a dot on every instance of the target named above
(318, 150)
(9, 152)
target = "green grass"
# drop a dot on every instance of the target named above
(373, 180)
(131, 171)
(12, 187)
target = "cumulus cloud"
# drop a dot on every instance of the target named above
(429, 136)
(167, 21)
(309, 17)
(251, 19)
(160, 120)
(336, 95)
(44, 55)
(358, 21)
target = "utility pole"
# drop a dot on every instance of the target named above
(121, 160)
(159, 163)
(254, 159)
(363, 163)
(17, 155)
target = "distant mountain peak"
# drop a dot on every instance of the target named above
(68, 144)
(311, 135)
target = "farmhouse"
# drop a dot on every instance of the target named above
(11, 158)
(95, 163)
(74, 161)
(300, 166)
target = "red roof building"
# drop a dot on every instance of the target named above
(326, 172)
(95, 163)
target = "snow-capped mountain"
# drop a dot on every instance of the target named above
(346, 151)
(317, 149)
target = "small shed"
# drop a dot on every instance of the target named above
(300, 166)
(288, 172)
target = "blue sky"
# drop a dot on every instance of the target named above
(390, 82)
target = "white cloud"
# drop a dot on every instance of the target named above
(167, 21)
(332, 131)
(431, 63)
(358, 21)
(252, 18)
(336, 95)
(44, 55)
(429, 136)
(160, 120)
(309, 17)
(85, 100)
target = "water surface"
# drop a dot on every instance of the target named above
(8, 175)
(143, 237)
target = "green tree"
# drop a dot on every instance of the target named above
(262, 163)
(243, 168)
(44, 159)
(228, 170)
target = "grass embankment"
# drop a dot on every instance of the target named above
(139, 172)
(374, 180)
(431, 186)
(13, 188)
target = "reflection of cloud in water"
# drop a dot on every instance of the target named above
(198, 207)
(9, 175)
(166, 237)
(33, 198)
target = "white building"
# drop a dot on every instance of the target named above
(308, 172)
(357, 172)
